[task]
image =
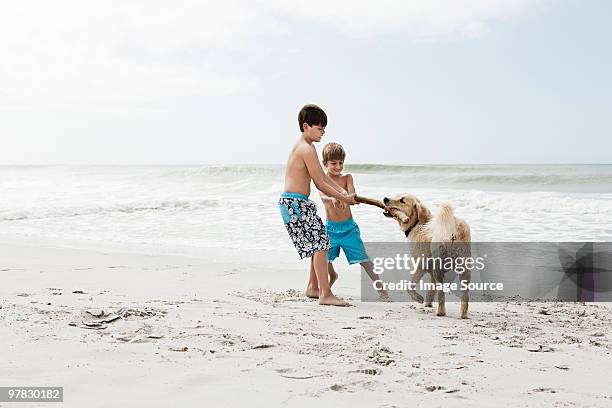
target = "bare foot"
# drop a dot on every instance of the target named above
(332, 300)
(312, 293)
(333, 276)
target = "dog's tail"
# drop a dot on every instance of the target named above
(443, 226)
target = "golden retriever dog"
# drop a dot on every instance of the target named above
(441, 236)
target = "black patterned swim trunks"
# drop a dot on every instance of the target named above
(304, 226)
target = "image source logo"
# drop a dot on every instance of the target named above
(491, 271)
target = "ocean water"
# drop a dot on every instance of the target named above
(235, 206)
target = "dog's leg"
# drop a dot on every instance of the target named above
(416, 277)
(429, 297)
(465, 296)
(441, 304)
(438, 277)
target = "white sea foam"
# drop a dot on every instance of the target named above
(235, 206)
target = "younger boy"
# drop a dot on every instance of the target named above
(343, 231)
(300, 214)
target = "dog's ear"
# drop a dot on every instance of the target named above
(423, 212)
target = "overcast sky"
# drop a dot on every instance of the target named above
(209, 82)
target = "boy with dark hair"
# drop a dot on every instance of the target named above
(342, 230)
(300, 214)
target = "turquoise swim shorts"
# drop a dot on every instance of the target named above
(345, 235)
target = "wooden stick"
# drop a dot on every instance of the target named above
(370, 201)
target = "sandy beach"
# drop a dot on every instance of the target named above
(164, 166)
(134, 329)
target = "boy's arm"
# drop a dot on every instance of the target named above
(330, 200)
(325, 198)
(319, 178)
(350, 187)
(334, 185)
